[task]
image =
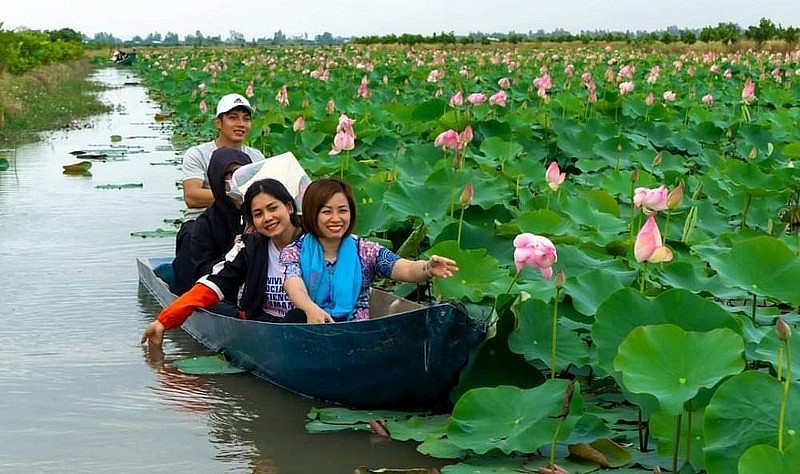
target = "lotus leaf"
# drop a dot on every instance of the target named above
(744, 412)
(766, 459)
(513, 419)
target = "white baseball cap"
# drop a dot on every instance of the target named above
(230, 102)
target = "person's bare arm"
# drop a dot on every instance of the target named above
(297, 293)
(415, 271)
(195, 195)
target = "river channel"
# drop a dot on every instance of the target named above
(78, 393)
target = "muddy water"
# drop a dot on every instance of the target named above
(78, 393)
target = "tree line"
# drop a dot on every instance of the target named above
(22, 51)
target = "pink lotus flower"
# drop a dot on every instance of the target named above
(477, 98)
(282, 97)
(249, 91)
(535, 251)
(649, 99)
(728, 74)
(299, 124)
(448, 140)
(708, 100)
(342, 141)
(650, 200)
(456, 99)
(669, 96)
(626, 87)
(504, 83)
(749, 91)
(554, 176)
(363, 89)
(543, 82)
(649, 246)
(498, 98)
(203, 107)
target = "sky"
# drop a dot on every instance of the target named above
(262, 18)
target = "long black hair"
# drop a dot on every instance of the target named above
(274, 188)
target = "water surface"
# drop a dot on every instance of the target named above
(78, 393)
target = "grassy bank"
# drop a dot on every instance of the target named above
(46, 98)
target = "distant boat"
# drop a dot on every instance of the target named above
(407, 356)
(77, 168)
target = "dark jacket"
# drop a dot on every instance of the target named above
(245, 264)
(215, 229)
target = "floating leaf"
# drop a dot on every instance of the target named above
(766, 459)
(119, 186)
(155, 233)
(206, 365)
(673, 365)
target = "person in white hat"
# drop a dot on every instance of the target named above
(232, 119)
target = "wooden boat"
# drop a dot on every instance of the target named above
(407, 356)
(126, 60)
(77, 168)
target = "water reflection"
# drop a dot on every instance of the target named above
(253, 420)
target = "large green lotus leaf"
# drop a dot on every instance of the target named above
(403, 198)
(791, 150)
(756, 135)
(767, 351)
(744, 412)
(514, 419)
(533, 337)
(690, 276)
(706, 132)
(479, 275)
(627, 309)
(750, 178)
(657, 133)
(429, 110)
(488, 465)
(766, 459)
(496, 150)
(618, 183)
(764, 266)
(588, 429)
(474, 237)
(574, 258)
(663, 426)
(588, 289)
(684, 143)
(540, 222)
(491, 363)
(579, 144)
(495, 128)
(615, 150)
(605, 227)
(416, 427)
(673, 365)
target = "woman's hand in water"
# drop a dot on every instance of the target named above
(153, 333)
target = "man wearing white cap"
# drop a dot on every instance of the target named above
(233, 122)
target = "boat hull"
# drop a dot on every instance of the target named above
(407, 360)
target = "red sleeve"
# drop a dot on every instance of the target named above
(200, 296)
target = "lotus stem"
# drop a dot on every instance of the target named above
(644, 277)
(753, 311)
(785, 394)
(553, 443)
(677, 445)
(747, 200)
(554, 335)
(513, 280)
(460, 222)
(780, 364)
(689, 432)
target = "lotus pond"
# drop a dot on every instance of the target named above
(639, 353)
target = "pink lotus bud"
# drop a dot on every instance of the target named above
(466, 195)
(648, 246)
(249, 91)
(669, 96)
(330, 106)
(784, 330)
(299, 124)
(708, 100)
(203, 107)
(447, 140)
(465, 136)
(553, 176)
(560, 279)
(649, 99)
(626, 87)
(504, 83)
(675, 197)
(634, 175)
(748, 92)
(535, 251)
(456, 99)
